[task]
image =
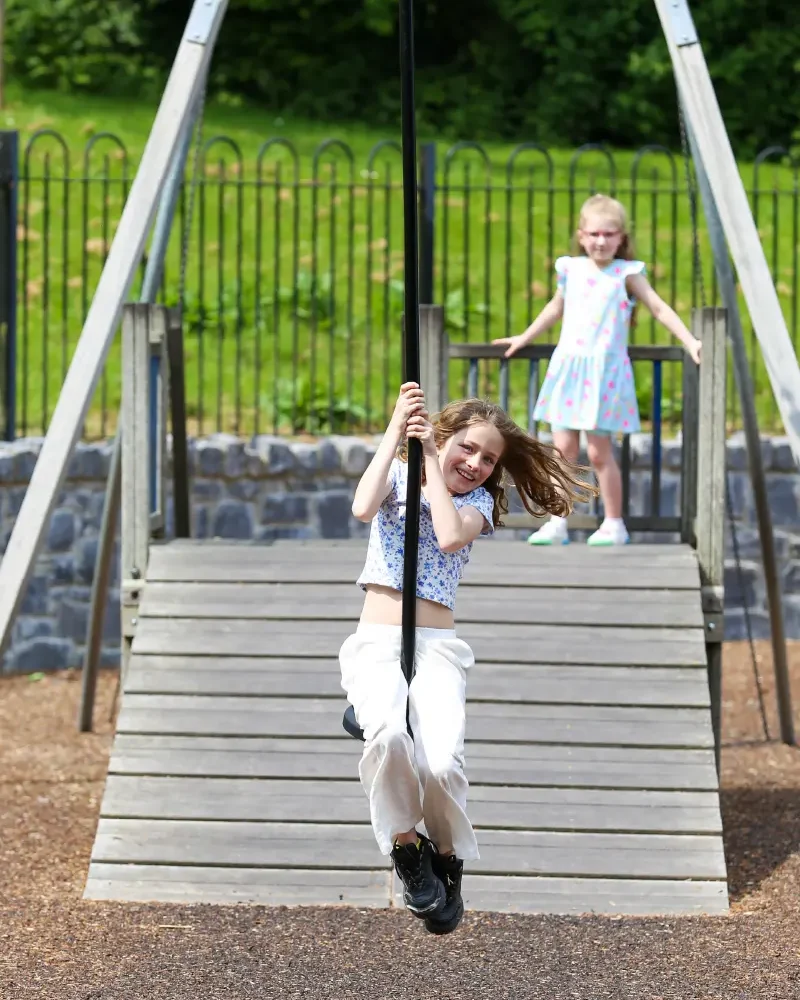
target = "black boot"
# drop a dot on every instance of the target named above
(450, 870)
(423, 892)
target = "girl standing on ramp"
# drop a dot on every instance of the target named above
(471, 453)
(589, 383)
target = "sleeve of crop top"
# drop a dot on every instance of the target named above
(482, 501)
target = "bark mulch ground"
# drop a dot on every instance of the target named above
(55, 945)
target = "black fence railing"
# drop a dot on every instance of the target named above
(294, 281)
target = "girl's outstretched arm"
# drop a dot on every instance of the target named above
(453, 528)
(374, 485)
(548, 317)
(639, 287)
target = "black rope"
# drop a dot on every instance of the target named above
(698, 276)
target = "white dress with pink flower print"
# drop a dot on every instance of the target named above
(589, 382)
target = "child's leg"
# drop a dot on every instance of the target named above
(568, 442)
(601, 454)
(609, 477)
(438, 718)
(377, 690)
(554, 531)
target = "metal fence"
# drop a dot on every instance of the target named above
(294, 278)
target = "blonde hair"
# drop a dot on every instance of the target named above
(601, 204)
(545, 481)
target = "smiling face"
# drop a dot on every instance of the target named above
(470, 456)
(600, 236)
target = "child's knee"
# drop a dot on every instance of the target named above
(599, 452)
(444, 769)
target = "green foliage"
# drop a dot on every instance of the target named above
(487, 69)
(78, 45)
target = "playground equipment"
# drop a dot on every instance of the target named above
(172, 657)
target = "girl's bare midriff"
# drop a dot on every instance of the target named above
(384, 606)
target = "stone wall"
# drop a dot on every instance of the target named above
(271, 488)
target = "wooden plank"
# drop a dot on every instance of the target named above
(487, 763)
(505, 894)
(510, 894)
(615, 646)
(259, 677)
(180, 93)
(307, 717)
(288, 601)
(499, 549)
(206, 562)
(308, 845)
(345, 802)
(265, 886)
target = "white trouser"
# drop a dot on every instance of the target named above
(411, 782)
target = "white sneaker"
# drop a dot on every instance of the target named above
(610, 533)
(550, 533)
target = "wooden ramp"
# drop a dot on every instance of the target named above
(589, 743)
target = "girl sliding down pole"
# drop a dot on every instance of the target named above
(471, 453)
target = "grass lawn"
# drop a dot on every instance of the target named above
(294, 278)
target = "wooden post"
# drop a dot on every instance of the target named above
(158, 388)
(434, 356)
(135, 528)
(180, 450)
(689, 426)
(705, 120)
(709, 327)
(180, 96)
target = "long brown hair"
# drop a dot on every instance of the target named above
(545, 481)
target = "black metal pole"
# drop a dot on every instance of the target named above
(411, 352)
(411, 359)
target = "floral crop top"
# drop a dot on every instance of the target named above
(438, 573)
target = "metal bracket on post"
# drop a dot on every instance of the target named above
(683, 27)
(203, 21)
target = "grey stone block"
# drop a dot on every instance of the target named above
(26, 454)
(271, 533)
(791, 616)
(86, 557)
(200, 522)
(352, 454)
(745, 589)
(210, 457)
(334, 515)
(782, 457)
(741, 495)
(781, 491)
(73, 616)
(206, 489)
(234, 520)
(641, 450)
(62, 569)
(43, 653)
(790, 577)
(26, 628)
(329, 458)
(35, 600)
(736, 452)
(736, 624)
(14, 498)
(110, 657)
(307, 456)
(90, 461)
(277, 456)
(284, 508)
(61, 534)
(243, 489)
(671, 455)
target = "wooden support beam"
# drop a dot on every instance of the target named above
(179, 98)
(705, 119)
(710, 327)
